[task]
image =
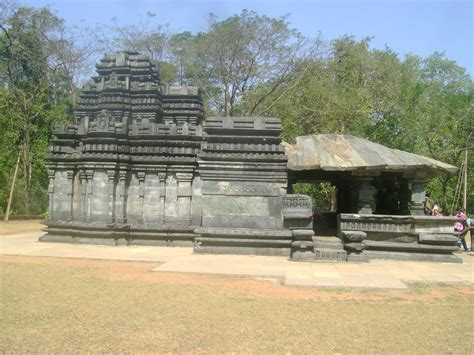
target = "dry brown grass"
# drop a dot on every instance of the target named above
(68, 306)
(13, 227)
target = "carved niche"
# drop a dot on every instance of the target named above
(103, 120)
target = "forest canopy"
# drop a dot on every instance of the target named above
(245, 65)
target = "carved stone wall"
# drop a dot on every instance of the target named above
(424, 238)
(243, 170)
(129, 157)
(139, 165)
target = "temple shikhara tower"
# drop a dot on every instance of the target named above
(141, 164)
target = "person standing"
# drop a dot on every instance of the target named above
(427, 205)
(436, 210)
(462, 227)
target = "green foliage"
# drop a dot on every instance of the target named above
(33, 98)
(247, 64)
(243, 54)
(421, 105)
(322, 194)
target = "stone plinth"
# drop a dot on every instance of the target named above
(398, 237)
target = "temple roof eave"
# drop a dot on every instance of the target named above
(359, 157)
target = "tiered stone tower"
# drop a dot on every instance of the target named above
(128, 161)
(140, 166)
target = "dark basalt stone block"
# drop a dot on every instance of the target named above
(242, 250)
(328, 243)
(438, 239)
(409, 247)
(330, 255)
(354, 236)
(354, 247)
(358, 257)
(443, 258)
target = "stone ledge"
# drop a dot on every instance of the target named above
(444, 258)
(240, 250)
(244, 232)
(326, 243)
(408, 247)
(440, 239)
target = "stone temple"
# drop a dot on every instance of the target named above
(142, 165)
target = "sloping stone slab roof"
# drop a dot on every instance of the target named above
(336, 152)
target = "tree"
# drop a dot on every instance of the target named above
(33, 79)
(420, 105)
(442, 116)
(242, 53)
(144, 38)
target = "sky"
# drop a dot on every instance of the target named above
(418, 27)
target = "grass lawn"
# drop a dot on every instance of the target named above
(67, 306)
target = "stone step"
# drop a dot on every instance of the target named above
(330, 255)
(440, 239)
(408, 247)
(244, 233)
(353, 236)
(330, 243)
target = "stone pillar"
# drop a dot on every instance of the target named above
(51, 174)
(417, 197)
(89, 194)
(171, 199)
(196, 201)
(343, 197)
(365, 189)
(404, 194)
(141, 192)
(70, 193)
(162, 180)
(184, 193)
(111, 192)
(83, 208)
(121, 198)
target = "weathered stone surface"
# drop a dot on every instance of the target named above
(328, 243)
(409, 247)
(443, 258)
(441, 239)
(360, 257)
(353, 236)
(344, 152)
(302, 234)
(241, 250)
(397, 234)
(375, 223)
(433, 224)
(330, 255)
(355, 247)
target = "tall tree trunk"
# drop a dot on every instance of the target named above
(465, 180)
(27, 164)
(12, 188)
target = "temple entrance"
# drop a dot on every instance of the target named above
(335, 193)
